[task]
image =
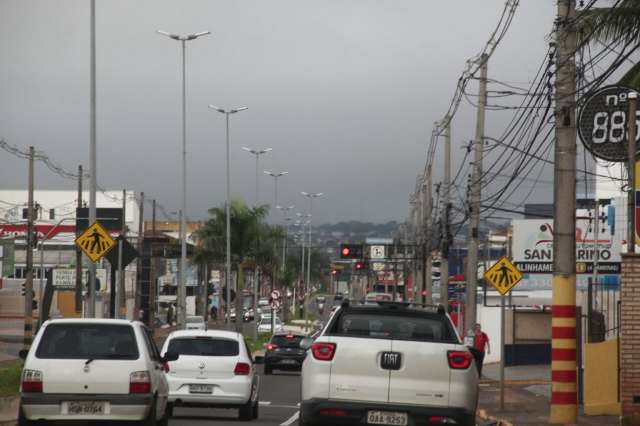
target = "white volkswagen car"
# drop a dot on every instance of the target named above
(388, 365)
(93, 369)
(214, 369)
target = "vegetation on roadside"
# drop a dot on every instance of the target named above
(258, 344)
(10, 378)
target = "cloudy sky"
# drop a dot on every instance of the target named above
(345, 92)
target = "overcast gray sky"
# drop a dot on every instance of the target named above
(345, 92)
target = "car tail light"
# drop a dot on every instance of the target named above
(270, 347)
(459, 360)
(140, 382)
(333, 412)
(242, 369)
(323, 351)
(32, 381)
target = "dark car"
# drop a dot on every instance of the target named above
(283, 352)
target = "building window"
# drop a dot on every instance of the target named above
(52, 214)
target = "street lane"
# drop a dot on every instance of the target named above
(279, 398)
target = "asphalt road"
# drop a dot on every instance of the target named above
(279, 398)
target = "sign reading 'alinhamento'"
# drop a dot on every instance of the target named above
(533, 247)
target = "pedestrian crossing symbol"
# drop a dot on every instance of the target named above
(503, 276)
(95, 242)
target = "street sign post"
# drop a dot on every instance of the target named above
(378, 252)
(95, 242)
(503, 276)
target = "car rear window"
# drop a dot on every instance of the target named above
(394, 326)
(286, 341)
(204, 346)
(195, 320)
(88, 341)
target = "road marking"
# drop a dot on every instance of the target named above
(292, 419)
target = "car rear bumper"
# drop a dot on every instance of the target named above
(235, 391)
(284, 362)
(311, 412)
(49, 406)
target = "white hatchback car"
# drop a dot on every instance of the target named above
(195, 323)
(93, 369)
(265, 325)
(215, 369)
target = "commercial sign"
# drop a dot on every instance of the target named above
(65, 278)
(20, 231)
(532, 250)
(602, 123)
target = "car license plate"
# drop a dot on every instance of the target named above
(200, 388)
(85, 407)
(387, 418)
(289, 361)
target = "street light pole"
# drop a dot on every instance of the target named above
(306, 293)
(227, 277)
(182, 290)
(275, 177)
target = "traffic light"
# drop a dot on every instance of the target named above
(359, 266)
(23, 289)
(351, 251)
(334, 272)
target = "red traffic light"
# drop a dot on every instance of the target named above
(359, 265)
(334, 272)
(346, 251)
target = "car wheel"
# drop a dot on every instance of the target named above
(255, 412)
(169, 409)
(268, 370)
(246, 411)
(151, 417)
(23, 421)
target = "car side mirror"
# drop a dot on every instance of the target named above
(170, 356)
(258, 359)
(306, 343)
(23, 353)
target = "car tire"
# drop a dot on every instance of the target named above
(255, 411)
(268, 370)
(23, 421)
(151, 417)
(245, 412)
(170, 409)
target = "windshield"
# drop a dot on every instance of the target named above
(204, 346)
(88, 341)
(398, 327)
(287, 341)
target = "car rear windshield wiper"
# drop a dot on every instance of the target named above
(107, 356)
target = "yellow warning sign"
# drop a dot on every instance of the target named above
(95, 242)
(503, 276)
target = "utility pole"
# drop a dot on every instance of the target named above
(631, 197)
(28, 287)
(78, 295)
(444, 239)
(426, 220)
(121, 296)
(138, 288)
(153, 291)
(564, 408)
(476, 185)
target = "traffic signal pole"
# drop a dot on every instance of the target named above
(564, 399)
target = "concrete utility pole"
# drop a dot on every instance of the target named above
(564, 408)
(426, 220)
(28, 287)
(446, 184)
(138, 288)
(78, 295)
(476, 185)
(121, 297)
(153, 291)
(631, 197)
(91, 284)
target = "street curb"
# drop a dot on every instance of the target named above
(484, 416)
(9, 410)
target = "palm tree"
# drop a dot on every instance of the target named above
(615, 24)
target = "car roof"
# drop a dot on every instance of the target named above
(393, 307)
(92, 321)
(205, 333)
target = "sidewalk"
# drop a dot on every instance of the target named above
(527, 394)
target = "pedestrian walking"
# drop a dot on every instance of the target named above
(480, 344)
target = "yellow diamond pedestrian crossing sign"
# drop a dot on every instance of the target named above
(503, 276)
(95, 242)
